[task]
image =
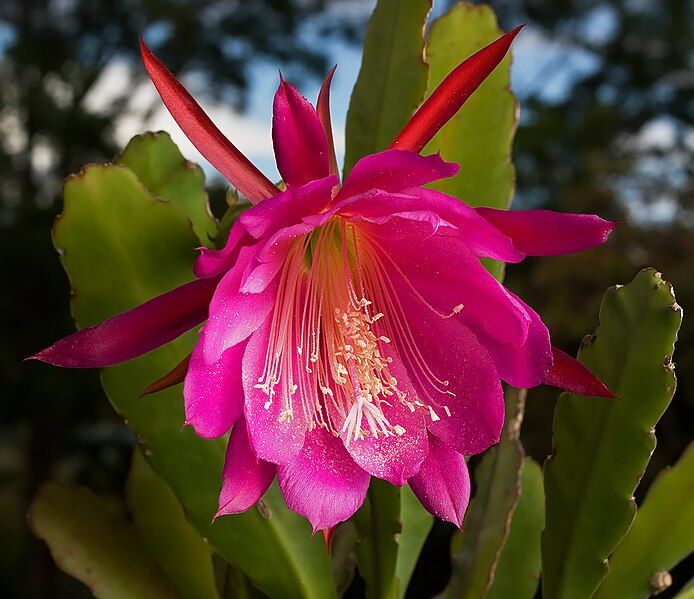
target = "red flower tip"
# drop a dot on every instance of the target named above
(328, 536)
(174, 377)
(204, 134)
(452, 93)
(569, 374)
(323, 110)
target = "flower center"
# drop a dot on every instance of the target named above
(330, 352)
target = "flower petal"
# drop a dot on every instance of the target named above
(395, 170)
(211, 263)
(203, 133)
(527, 364)
(213, 391)
(136, 331)
(468, 411)
(275, 437)
(234, 315)
(442, 484)
(322, 482)
(245, 478)
(396, 457)
(444, 272)
(323, 110)
(569, 374)
(548, 233)
(451, 94)
(175, 376)
(301, 149)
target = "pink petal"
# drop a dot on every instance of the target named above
(275, 438)
(136, 331)
(301, 149)
(395, 170)
(569, 374)
(203, 133)
(473, 395)
(442, 484)
(447, 275)
(397, 457)
(323, 110)
(245, 478)
(213, 392)
(523, 365)
(234, 315)
(547, 233)
(211, 263)
(451, 94)
(289, 207)
(322, 483)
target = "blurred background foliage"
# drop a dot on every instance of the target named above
(616, 139)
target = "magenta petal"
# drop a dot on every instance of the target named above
(445, 273)
(234, 315)
(469, 415)
(213, 392)
(203, 133)
(524, 365)
(136, 331)
(301, 149)
(442, 484)
(275, 437)
(211, 263)
(548, 233)
(569, 374)
(397, 457)
(395, 170)
(245, 478)
(322, 482)
(288, 207)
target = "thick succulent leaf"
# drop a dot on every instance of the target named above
(167, 535)
(416, 524)
(476, 550)
(480, 135)
(121, 246)
(342, 556)
(661, 536)
(91, 541)
(161, 168)
(517, 572)
(687, 591)
(602, 446)
(392, 79)
(378, 524)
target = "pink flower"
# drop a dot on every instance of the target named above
(351, 330)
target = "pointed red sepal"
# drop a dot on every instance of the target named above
(175, 376)
(328, 537)
(323, 110)
(204, 134)
(569, 374)
(451, 94)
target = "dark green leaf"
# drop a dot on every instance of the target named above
(602, 446)
(661, 536)
(476, 550)
(392, 79)
(91, 541)
(416, 524)
(517, 572)
(167, 535)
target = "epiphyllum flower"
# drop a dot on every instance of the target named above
(351, 330)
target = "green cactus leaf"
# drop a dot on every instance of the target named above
(517, 572)
(661, 536)
(160, 167)
(91, 541)
(602, 446)
(392, 79)
(170, 539)
(120, 246)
